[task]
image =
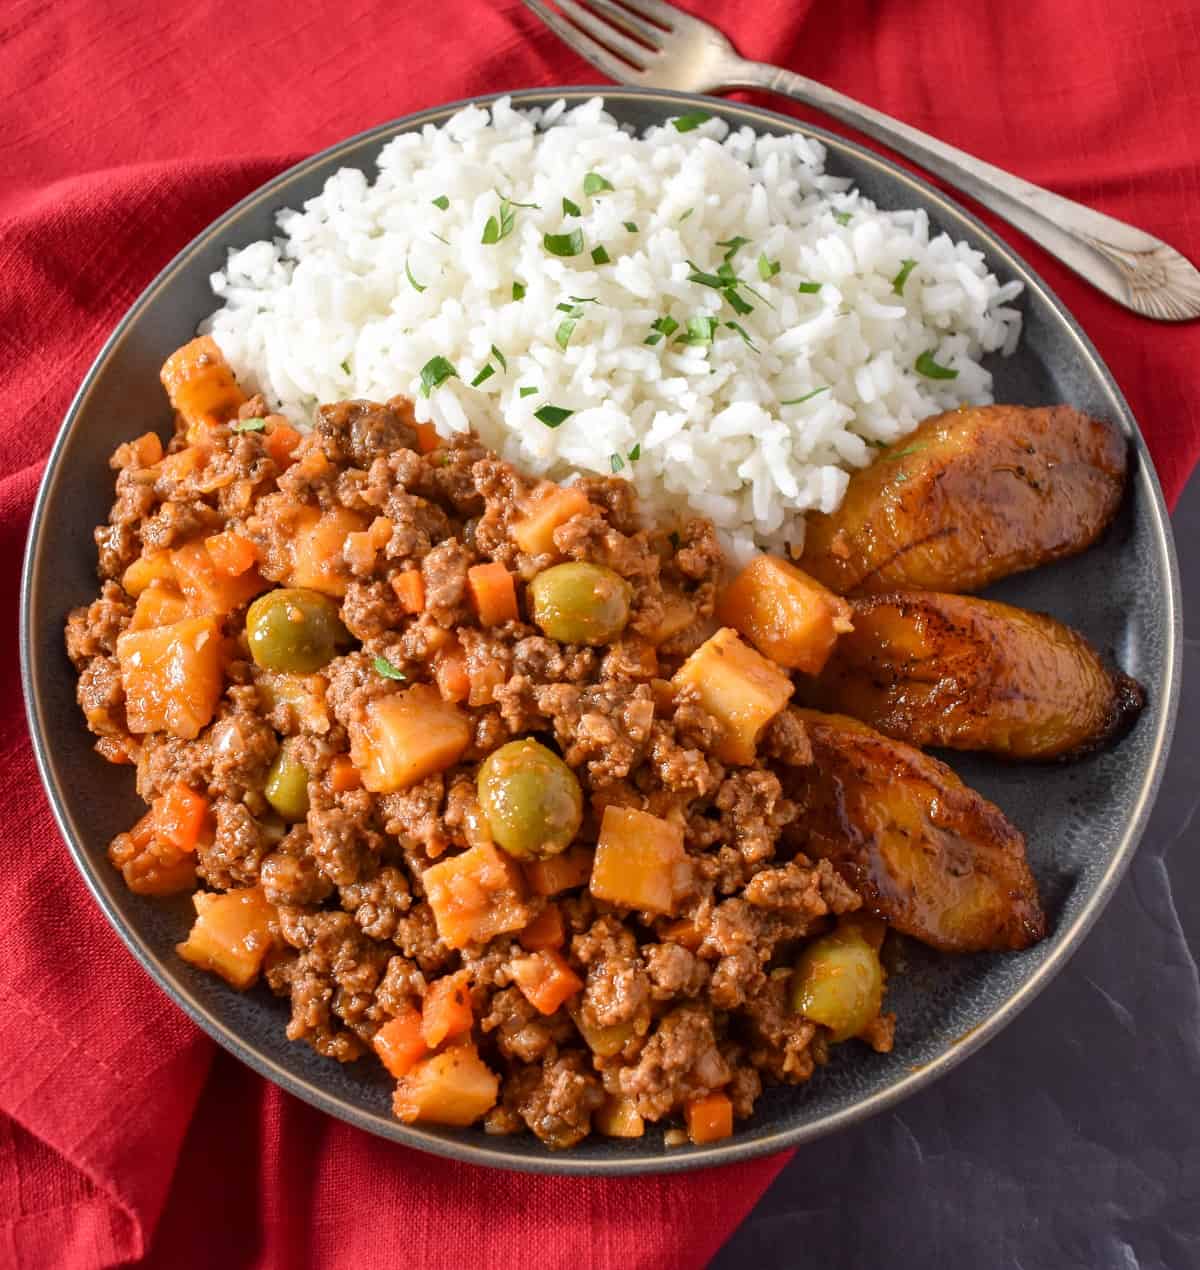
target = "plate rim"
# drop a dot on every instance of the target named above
(663, 1160)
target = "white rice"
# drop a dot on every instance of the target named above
(327, 310)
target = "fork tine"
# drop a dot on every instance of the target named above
(635, 54)
(665, 15)
(584, 45)
(653, 35)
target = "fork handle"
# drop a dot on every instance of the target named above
(1134, 268)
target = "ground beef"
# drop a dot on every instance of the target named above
(673, 971)
(235, 855)
(781, 1042)
(444, 571)
(519, 1031)
(359, 431)
(680, 1061)
(556, 1099)
(417, 938)
(379, 902)
(243, 746)
(345, 845)
(604, 728)
(166, 760)
(289, 875)
(617, 989)
(93, 630)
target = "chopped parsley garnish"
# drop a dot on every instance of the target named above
(809, 288)
(686, 214)
(441, 239)
(594, 183)
(842, 218)
(631, 226)
(908, 449)
(660, 327)
(736, 302)
(249, 425)
(495, 229)
(409, 274)
(689, 122)
(388, 671)
(925, 365)
(574, 311)
(795, 401)
(906, 267)
(767, 269)
(564, 244)
(552, 416)
(527, 391)
(513, 202)
(345, 368)
(616, 462)
(484, 375)
(518, 291)
(699, 331)
(569, 208)
(741, 330)
(733, 246)
(499, 356)
(600, 256)
(635, 453)
(434, 373)
(562, 337)
(441, 201)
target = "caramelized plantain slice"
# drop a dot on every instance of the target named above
(969, 674)
(929, 855)
(969, 497)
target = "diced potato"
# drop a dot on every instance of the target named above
(454, 1087)
(446, 1010)
(317, 542)
(739, 687)
(709, 1118)
(147, 571)
(159, 605)
(399, 1043)
(208, 590)
(545, 979)
(558, 873)
(406, 737)
(618, 1117)
(172, 676)
(678, 614)
(785, 614)
(231, 552)
(545, 509)
(640, 861)
(231, 935)
(201, 385)
(362, 549)
(476, 895)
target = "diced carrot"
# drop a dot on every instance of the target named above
(450, 672)
(343, 775)
(562, 872)
(493, 592)
(454, 1087)
(121, 750)
(317, 542)
(149, 865)
(739, 687)
(179, 816)
(545, 931)
(409, 587)
(201, 385)
(618, 1117)
(231, 935)
(476, 895)
(209, 591)
(787, 615)
(640, 861)
(183, 463)
(405, 737)
(145, 571)
(545, 979)
(160, 605)
(546, 508)
(230, 552)
(709, 1118)
(446, 1010)
(362, 549)
(427, 438)
(147, 449)
(280, 443)
(172, 676)
(399, 1043)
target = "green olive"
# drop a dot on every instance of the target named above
(580, 603)
(287, 785)
(530, 798)
(295, 630)
(838, 981)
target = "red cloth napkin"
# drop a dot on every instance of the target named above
(124, 129)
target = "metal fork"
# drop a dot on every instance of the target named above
(652, 43)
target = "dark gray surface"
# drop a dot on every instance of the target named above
(1073, 1139)
(1081, 819)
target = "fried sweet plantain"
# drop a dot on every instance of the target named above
(970, 674)
(929, 855)
(969, 497)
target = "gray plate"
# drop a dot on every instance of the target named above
(1082, 822)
